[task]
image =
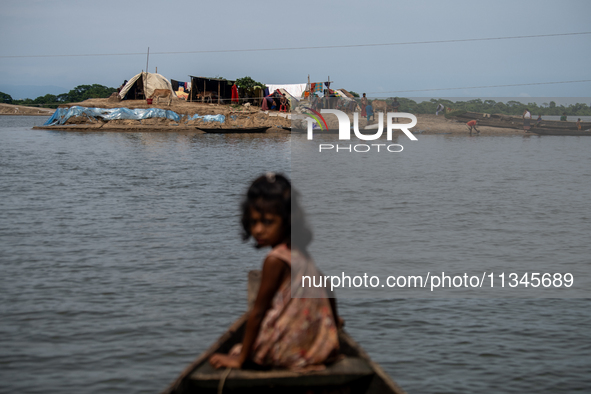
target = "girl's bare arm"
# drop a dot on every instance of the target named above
(274, 272)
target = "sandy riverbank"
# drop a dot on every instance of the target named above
(431, 124)
(19, 110)
(239, 116)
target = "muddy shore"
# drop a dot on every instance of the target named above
(239, 117)
(20, 110)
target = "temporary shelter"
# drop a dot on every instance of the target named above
(181, 89)
(142, 86)
(296, 90)
(253, 95)
(219, 90)
(344, 93)
(293, 101)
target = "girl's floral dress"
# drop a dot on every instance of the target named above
(298, 331)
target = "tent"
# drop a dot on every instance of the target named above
(344, 93)
(143, 85)
(293, 101)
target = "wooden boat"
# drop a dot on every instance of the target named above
(316, 131)
(354, 373)
(327, 131)
(516, 122)
(235, 130)
(561, 132)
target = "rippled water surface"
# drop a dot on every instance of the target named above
(121, 261)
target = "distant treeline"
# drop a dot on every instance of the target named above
(493, 107)
(83, 92)
(79, 93)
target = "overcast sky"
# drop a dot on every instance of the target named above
(81, 27)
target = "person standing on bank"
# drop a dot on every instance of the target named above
(363, 105)
(369, 112)
(440, 107)
(526, 120)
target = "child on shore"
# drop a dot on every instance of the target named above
(289, 326)
(369, 112)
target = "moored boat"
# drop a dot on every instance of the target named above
(234, 130)
(316, 131)
(561, 132)
(516, 122)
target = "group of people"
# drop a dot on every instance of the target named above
(276, 101)
(527, 118)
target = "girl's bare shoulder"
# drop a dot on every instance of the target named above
(281, 252)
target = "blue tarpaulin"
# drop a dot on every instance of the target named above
(208, 118)
(61, 115)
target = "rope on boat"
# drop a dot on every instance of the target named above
(223, 380)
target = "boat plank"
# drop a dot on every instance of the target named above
(342, 372)
(178, 385)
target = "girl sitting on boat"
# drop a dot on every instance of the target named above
(290, 326)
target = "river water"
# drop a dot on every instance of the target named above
(121, 261)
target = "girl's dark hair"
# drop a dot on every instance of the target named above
(273, 193)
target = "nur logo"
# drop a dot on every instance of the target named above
(345, 124)
(318, 118)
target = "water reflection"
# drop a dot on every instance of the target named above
(121, 256)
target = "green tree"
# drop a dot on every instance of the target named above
(84, 92)
(49, 101)
(79, 93)
(5, 98)
(408, 105)
(248, 83)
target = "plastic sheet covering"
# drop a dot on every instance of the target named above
(295, 89)
(208, 118)
(61, 115)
